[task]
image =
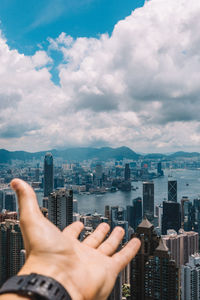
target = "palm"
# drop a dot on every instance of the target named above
(87, 269)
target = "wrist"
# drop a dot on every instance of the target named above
(47, 267)
(13, 297)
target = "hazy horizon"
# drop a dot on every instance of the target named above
(66, 148)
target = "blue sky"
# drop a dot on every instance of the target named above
(100, 73)
(28, 23)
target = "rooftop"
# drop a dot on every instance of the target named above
(162, 246)
(145, 223)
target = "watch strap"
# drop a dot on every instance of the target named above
(35, 286)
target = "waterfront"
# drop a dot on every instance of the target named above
(188, 185)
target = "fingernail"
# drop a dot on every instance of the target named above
(105, 225)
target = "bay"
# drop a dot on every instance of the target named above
(188, 184)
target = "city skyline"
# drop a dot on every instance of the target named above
(168, 230)
(131, 81)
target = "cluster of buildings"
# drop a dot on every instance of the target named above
(167, 266)
(85, 177)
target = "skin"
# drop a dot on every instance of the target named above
(87, 269)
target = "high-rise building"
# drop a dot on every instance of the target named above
(75, 206)
(129, 215)
(162, 275)
(172, 190)
(190, 279)
(159, 169)
(59, 182)
(22, 258)
(181, 245)
(48, 174)
(171, 218)
(113, 215)
(154, 276)
(159, 213)
(11, 243)
(196, 203)
(118, 171)
(148, 200)
(149, 242)
(117, 214)
(107, 211)
(37, 173)
(10, 201)
(196, 215)
(1, 200)
(134, 213)
(45, 201)
(124, 225)
(60, 208)
(98, 174)
(186, 214)
(127, 172)
(121, 214)
(137, 212)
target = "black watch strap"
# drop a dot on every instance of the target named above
(35, 286)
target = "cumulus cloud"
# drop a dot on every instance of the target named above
(138, 87)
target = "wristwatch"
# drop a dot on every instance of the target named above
(36, 287)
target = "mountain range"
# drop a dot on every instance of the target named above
(101, 154)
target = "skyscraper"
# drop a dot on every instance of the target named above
(98, 174)
(137, 212)
(186, 214)
(159, 213)
(129, 215)
(11, 243)
(148, 200)
(127, 173)
(154, 276)
(172, 190)
(60, 208)
(75, 206)
(113, 215)
(48, 174)
(1, 200)
(124, 225)
(149, 242)
(190, 279)
(10, 201)
(171, 218)
(117, 214)
(181, 245)
(134, 213)
(162, 276)
(37, 173)
(159, 169)
(45, 201)
(108, 214)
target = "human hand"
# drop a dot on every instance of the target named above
(87, 269)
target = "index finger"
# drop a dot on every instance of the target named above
(28, 205)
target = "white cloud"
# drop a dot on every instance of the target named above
(41, 59)
(138, 87)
